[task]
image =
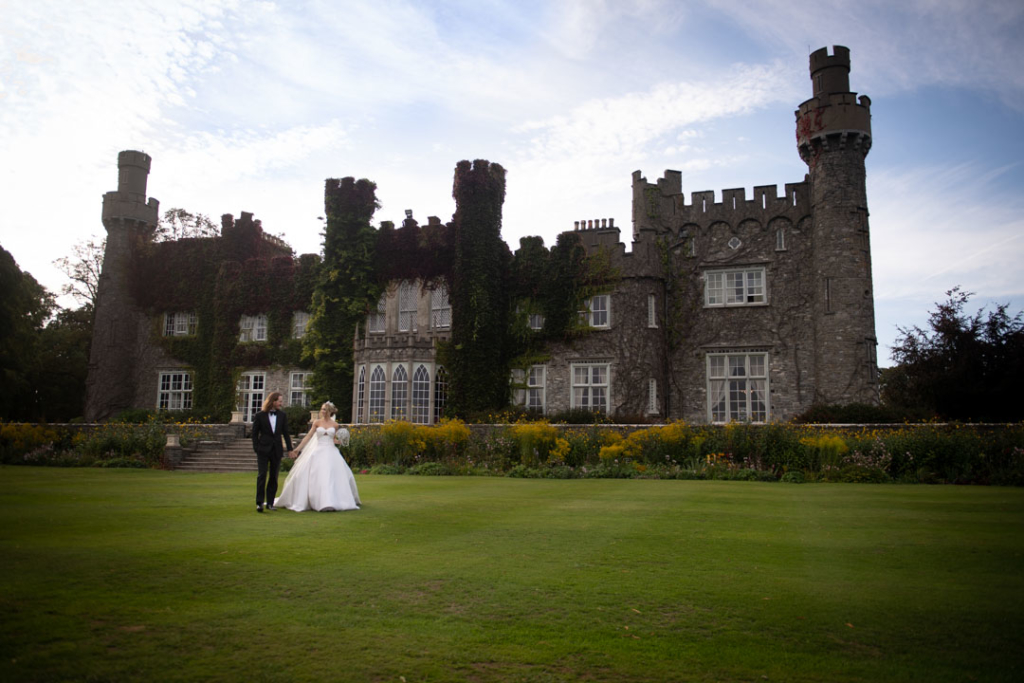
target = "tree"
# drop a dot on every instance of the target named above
(83, 268)
(964, 367)
(179, 224)
(24, 309)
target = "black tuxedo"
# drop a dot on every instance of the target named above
(267, 444)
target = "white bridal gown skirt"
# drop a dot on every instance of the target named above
(320, 480)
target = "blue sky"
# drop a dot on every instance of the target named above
(249, 106)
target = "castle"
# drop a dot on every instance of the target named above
(747, 309)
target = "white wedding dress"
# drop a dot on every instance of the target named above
(320, 479)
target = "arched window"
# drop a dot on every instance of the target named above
(360, 394)
(400, 394)
(421, 396)
(377, 382)
(440, 392)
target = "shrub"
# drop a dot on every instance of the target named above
(429, 469)
(387, 468)
(18, 440)
(793, 477)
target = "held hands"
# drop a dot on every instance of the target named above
(292, 454)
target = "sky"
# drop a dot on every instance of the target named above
(250, 105)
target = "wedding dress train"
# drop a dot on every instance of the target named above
(320, 479)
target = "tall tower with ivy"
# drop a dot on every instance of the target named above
(119, 325)
(833, 131)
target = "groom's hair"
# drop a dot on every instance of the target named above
(269, 400)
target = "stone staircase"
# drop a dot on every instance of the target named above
(222, 455)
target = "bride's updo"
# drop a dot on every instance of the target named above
(329, 407)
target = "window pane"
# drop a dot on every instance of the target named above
(737, 366)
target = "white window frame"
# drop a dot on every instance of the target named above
(174, 390)
(360, 394)
(421, 389)
(253, 328)
(597, 311)
(300, 323)
(738, 386)
(440, 392)
(377, 395)
(407, 305)
(440, 308)
(400, 393)
(591, 386)
(735, 287)
(299, 388)
(535, 321)
(376, 322)
(180, 324)
(251, 389)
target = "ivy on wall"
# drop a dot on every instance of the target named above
(348, 287)
(476, 357)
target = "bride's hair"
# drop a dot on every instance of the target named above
(331, 410)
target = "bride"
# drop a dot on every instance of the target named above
(321, 479)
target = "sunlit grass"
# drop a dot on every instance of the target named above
(151, 575)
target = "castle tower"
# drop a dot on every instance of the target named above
(129, 220)
(833, 131)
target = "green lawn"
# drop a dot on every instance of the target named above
(135, 575)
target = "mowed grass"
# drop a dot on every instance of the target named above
(127, 575)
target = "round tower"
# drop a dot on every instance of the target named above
(129, 219)
(833, 132)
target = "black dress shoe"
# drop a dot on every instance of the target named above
(259, 507)
(270, 506)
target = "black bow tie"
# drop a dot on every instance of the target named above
(273, 412)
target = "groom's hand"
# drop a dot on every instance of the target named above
(291, 454)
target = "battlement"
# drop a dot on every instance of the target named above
(830, 73)
(821, 59)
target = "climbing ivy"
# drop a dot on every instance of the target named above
(347, 289)
(476, 357)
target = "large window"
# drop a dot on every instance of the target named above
(377, 388)
(734, 287)
(377, 320)
(300, 321)
(590, 384)
(440, 392)
(180, 324)
(400, 394)
(440, 308)
(421, 396)
(407, 306)
(300, 389)
(253, 328)
(175, 392)
(251, 386)
(530, 387)
(738, 387)
(360, 394)
(596, 311)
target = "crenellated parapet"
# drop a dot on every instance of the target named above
(835, 118)
(663, 206)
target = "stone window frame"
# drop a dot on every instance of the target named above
(251, 390)
(377, 395)
(730, 394)
(420, 397)
(400, 393)
(300, 323)
(583, 389)
(360, 394)
(530, 387)
(440, 308)
(440, 388)
(253, 328)
(407, 306)
(181, 324)
(652, 396)
(376, 321)
(603, 315)
(718, 280)
(652, 311)
(302, 390)
(174, 390)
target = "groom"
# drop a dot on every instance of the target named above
(268, 426)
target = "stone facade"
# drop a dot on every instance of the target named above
(743, 309)
(748, 309)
